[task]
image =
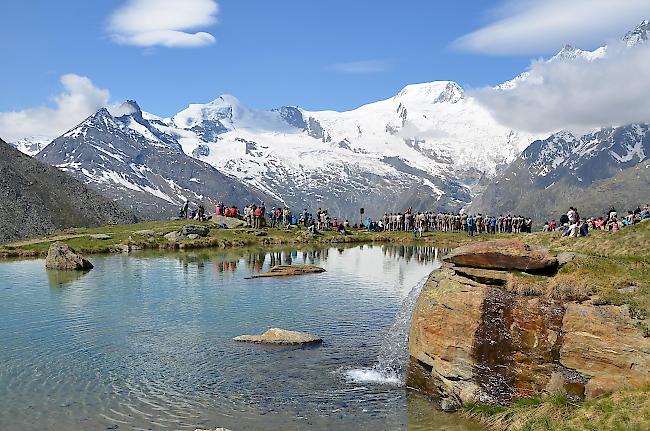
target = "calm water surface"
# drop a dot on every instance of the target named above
(144, 342)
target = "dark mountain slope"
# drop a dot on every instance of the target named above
(36, 199)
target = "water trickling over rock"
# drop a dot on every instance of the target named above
(392, 359)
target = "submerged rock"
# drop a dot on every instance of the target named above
(281, 337)
(62, 257)
(290, 270)
(504, 255)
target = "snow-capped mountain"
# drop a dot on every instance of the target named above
(641, 34)
(126, 158)
(430, 146)
(553, 173)
(426, 146)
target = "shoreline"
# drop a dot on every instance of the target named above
(125, 239)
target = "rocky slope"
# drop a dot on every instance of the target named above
(486, 336)
(564, 170)
(127, 159)
(37, 199)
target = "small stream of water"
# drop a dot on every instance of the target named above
(393, 354)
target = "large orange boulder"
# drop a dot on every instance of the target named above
(504, 255)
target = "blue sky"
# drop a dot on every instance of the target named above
(315, 54)
(267, 53)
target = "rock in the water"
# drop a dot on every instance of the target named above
(101, 236)
(289, 270)
(124, 248)
(504, 255)
(281, 337)
(192, 229)
(63, 257)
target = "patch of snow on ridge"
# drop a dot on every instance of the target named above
(32, 145)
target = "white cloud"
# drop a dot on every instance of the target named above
(577, 94)
(165, 23)
(366, 66)
(79, 99)
(535, 26)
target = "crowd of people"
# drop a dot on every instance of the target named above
(572, 224)
(450, 222)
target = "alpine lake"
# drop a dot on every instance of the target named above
(144, 342)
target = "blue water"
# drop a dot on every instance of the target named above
(144, 341)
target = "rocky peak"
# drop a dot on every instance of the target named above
(102, 120)
(432, 92)
(452, 93)
(223, 108)
(639, 35)
(292, 116)
(130, 107)
(570, 52)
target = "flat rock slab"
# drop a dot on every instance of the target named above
(100, 236)
(281, 337)
(145, 232)
(63, 257)
(290, 270)
(504, 255)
